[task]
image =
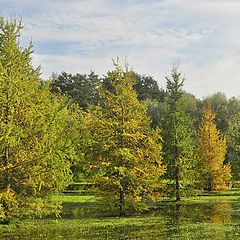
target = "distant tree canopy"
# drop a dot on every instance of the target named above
(147, 88)
(82, 88)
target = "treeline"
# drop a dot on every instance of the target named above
(192, 133)
(134, 141)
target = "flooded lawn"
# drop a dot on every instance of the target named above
(218, 218)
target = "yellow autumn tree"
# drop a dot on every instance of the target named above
(127, 151)
(212, 147)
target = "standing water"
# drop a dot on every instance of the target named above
(218, 219)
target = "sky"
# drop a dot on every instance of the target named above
(200, 37)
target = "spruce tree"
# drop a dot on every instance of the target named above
(178, 143)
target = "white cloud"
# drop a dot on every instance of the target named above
(72, 63)
(202, 36)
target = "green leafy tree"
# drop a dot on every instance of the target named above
(127, 151)
(178, 143)
(233, 136)
(219, 105)
(80, 135)
(82, 88)
(34, 149)
(147, 88)
(191, 104)
(156, 111)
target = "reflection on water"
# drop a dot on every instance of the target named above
(214, 212)
(213, 220)
(221, 213)
(184, 220)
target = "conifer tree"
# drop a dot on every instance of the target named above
(128, 152)
(214, 174)
(178, 141)
(34, 150)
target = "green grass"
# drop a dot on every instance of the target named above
(215, 198)
(210, 216)
(72, 198)
(231, 192)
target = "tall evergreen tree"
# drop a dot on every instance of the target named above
(127, 151)
(212, 150)
(178, 141)
(34, 152)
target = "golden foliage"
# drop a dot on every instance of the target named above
(212, 150)
(127, 151)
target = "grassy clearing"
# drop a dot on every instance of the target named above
(73, 199)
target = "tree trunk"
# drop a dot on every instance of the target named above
(176, 159)
(177, 213)
(178, 198)
(210, 188)
(121, 201)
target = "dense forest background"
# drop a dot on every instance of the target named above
(135, 142)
